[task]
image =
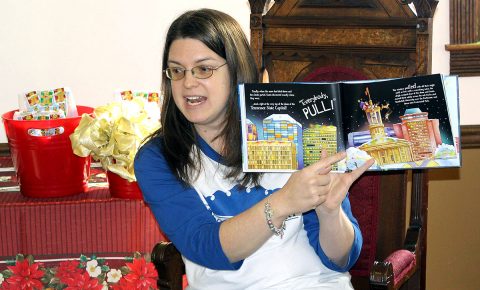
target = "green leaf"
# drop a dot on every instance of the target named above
(83, 258)
(55, 280)
(101, 278)
(30, 259)
(19, 257)
(124, 270)
(51, 271)
(59, 286)
(137, 255)
(7, 274)
(105, 268)
(45, 280)
(148, 258)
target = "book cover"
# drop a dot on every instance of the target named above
(402, 123)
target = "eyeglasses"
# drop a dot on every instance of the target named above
(199, 72)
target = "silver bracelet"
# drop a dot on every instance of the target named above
(268, 216)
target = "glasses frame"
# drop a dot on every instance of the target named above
(168, 73)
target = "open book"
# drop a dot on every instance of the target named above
(404, 123)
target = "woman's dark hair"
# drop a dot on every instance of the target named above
(223, 35)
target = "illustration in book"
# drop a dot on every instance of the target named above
(402, 123)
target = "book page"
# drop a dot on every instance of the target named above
(286, 125)
(450, 84)
(403, 123)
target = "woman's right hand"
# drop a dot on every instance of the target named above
(306, 188)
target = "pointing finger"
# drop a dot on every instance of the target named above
(324, 153)
(321, 165)
(327, 168)
(360, 170)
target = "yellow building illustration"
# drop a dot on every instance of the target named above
(265, 154)
(282, 127)
(316, 138)
(385, 150)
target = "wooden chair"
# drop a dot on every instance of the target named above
(311, 40)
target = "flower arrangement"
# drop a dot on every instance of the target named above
(84, 273)
(113, 135)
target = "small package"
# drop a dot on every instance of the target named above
(46, 105)
(152, 101)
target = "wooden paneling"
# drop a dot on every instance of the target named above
(470, 136)
(464, 22)
(342, 36)
(464, 59)
(464, 37)
(342, 8)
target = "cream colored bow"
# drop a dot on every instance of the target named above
(113, 135)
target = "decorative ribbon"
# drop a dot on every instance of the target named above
(113, 135)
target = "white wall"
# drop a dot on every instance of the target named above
(96, 47)
(469, 86)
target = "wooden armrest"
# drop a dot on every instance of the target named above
(412, 239)
(381, 276)
(169, 264)
(397, 268)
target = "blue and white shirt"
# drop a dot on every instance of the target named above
(190, 216)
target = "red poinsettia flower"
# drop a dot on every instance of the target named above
(66, 269)
(82, 281)
(122, 285)
(25, 276)
(142, 275)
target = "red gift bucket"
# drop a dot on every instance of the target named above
(43, 157)
(122, 188)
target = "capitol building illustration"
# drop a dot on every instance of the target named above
(385, 150)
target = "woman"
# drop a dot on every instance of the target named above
(237, 230)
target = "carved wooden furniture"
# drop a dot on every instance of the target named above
(169, 264)
(313, 40)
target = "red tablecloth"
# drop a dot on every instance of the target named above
(88, 223)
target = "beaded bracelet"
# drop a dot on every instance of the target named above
(268, 216)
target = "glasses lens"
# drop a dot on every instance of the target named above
(199, 72)
(202, 72)
(175, 73)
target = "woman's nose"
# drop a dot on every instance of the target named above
(189, 80)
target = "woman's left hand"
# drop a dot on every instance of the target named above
(340, 184)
